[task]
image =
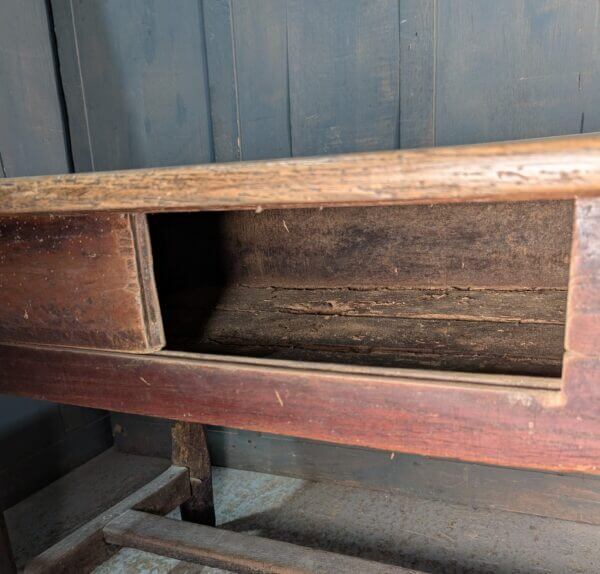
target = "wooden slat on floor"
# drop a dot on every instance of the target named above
(84, 548)
(230, 550)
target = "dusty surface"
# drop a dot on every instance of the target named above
(432, 536)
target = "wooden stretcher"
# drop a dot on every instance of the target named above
(81, 323)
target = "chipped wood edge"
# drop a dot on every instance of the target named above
(152, 318)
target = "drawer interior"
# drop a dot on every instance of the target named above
(465, 287)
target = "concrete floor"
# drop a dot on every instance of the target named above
(425, 535)
(431, 536)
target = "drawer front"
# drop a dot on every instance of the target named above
(79, 281)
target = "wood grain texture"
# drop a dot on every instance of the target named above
(79, 281)
(581, 363)
(561, 168)
(462, 287)
(375, 328)
(84, 549)
(583, 327)
(231, 550)
(189, 450)
(423, 412)
(499, 246)
(526, 307)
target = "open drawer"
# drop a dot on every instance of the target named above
(338, 313)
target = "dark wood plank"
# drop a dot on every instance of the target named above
(526, 306)
(520, 332)
(247, 54)
(493, 347)
(142, 248)
(262, 109)
(560, 168)
(502, 72)
(42, 262)
(189, 450)
(566, 497)
(446, 415)
(462, 287)
(231, 550)
(74, 90)
(498, 246)
(84, 549)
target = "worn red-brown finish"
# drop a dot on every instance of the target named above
(83, 281)
(432, 415)
(583, 326)
(498, 420)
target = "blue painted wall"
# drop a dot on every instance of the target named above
(39, 441)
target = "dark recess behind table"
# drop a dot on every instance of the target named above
(223, 80)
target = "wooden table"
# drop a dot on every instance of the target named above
(81, 320)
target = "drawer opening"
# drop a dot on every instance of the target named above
(468, 287)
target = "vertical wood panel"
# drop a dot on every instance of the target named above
(222, 80)
(248, 71)
(260, 41)
(516, 69)
(344, 75)
(63, 12)
(32, 138)
(137, 86)
(417, 77)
